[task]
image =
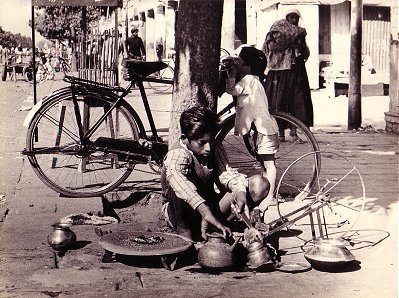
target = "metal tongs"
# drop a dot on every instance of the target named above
(254, 233)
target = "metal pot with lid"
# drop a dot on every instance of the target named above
(328, 254)
(216, 253)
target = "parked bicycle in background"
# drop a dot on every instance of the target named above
(167, 73)
(44, 69)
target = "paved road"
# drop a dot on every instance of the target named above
(27, 264)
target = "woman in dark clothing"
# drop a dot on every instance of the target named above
(287, 85)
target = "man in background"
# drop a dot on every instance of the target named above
(135, 46)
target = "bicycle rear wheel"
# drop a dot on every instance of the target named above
(164, 74)
(299, 183)
(57, 155)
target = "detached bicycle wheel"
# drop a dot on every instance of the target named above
(335, 204)
(59, 158)
(167, 73)
(300, 182)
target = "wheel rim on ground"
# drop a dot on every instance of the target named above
(164, 74)
(241, 158)
(78, 174)
(339, 195)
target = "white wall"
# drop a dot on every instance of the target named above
(340, 35)
(310, 21)
(228, 26)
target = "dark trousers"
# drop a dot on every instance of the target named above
(186, 220)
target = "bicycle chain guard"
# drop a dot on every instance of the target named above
(138, 150)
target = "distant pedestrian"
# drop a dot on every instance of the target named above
(135, 46)
(287, 84)
(159, 49)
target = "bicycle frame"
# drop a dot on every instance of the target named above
(85, 134)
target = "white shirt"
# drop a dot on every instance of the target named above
(252, 106)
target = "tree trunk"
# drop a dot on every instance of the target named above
(198, 36)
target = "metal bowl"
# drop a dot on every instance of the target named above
(329, 254)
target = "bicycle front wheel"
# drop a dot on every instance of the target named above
(164, 74)
(300, 182)
(59, 158)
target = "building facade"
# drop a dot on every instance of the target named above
(247, 22)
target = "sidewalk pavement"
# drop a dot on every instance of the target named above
(29, 267)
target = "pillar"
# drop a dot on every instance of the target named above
(392, 116)
(170, 20)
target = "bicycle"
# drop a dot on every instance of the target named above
(80, 140)
(85, 139)
(167, 73)
(44, 71)
(64, 65)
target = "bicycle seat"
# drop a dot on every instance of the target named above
(143, 68)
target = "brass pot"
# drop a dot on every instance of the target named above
(62, 237)
(328, 254)
(258, 254)
(216, 254)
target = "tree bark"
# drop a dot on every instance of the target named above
(197, 45)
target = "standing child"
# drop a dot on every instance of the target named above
(252, 112)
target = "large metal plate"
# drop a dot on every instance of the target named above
(120, 243)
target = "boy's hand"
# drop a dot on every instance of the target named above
(205, 225)
(208, 218)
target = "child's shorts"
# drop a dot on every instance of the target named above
(266, 146)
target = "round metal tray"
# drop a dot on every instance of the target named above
(116, 242)
(292, 267)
